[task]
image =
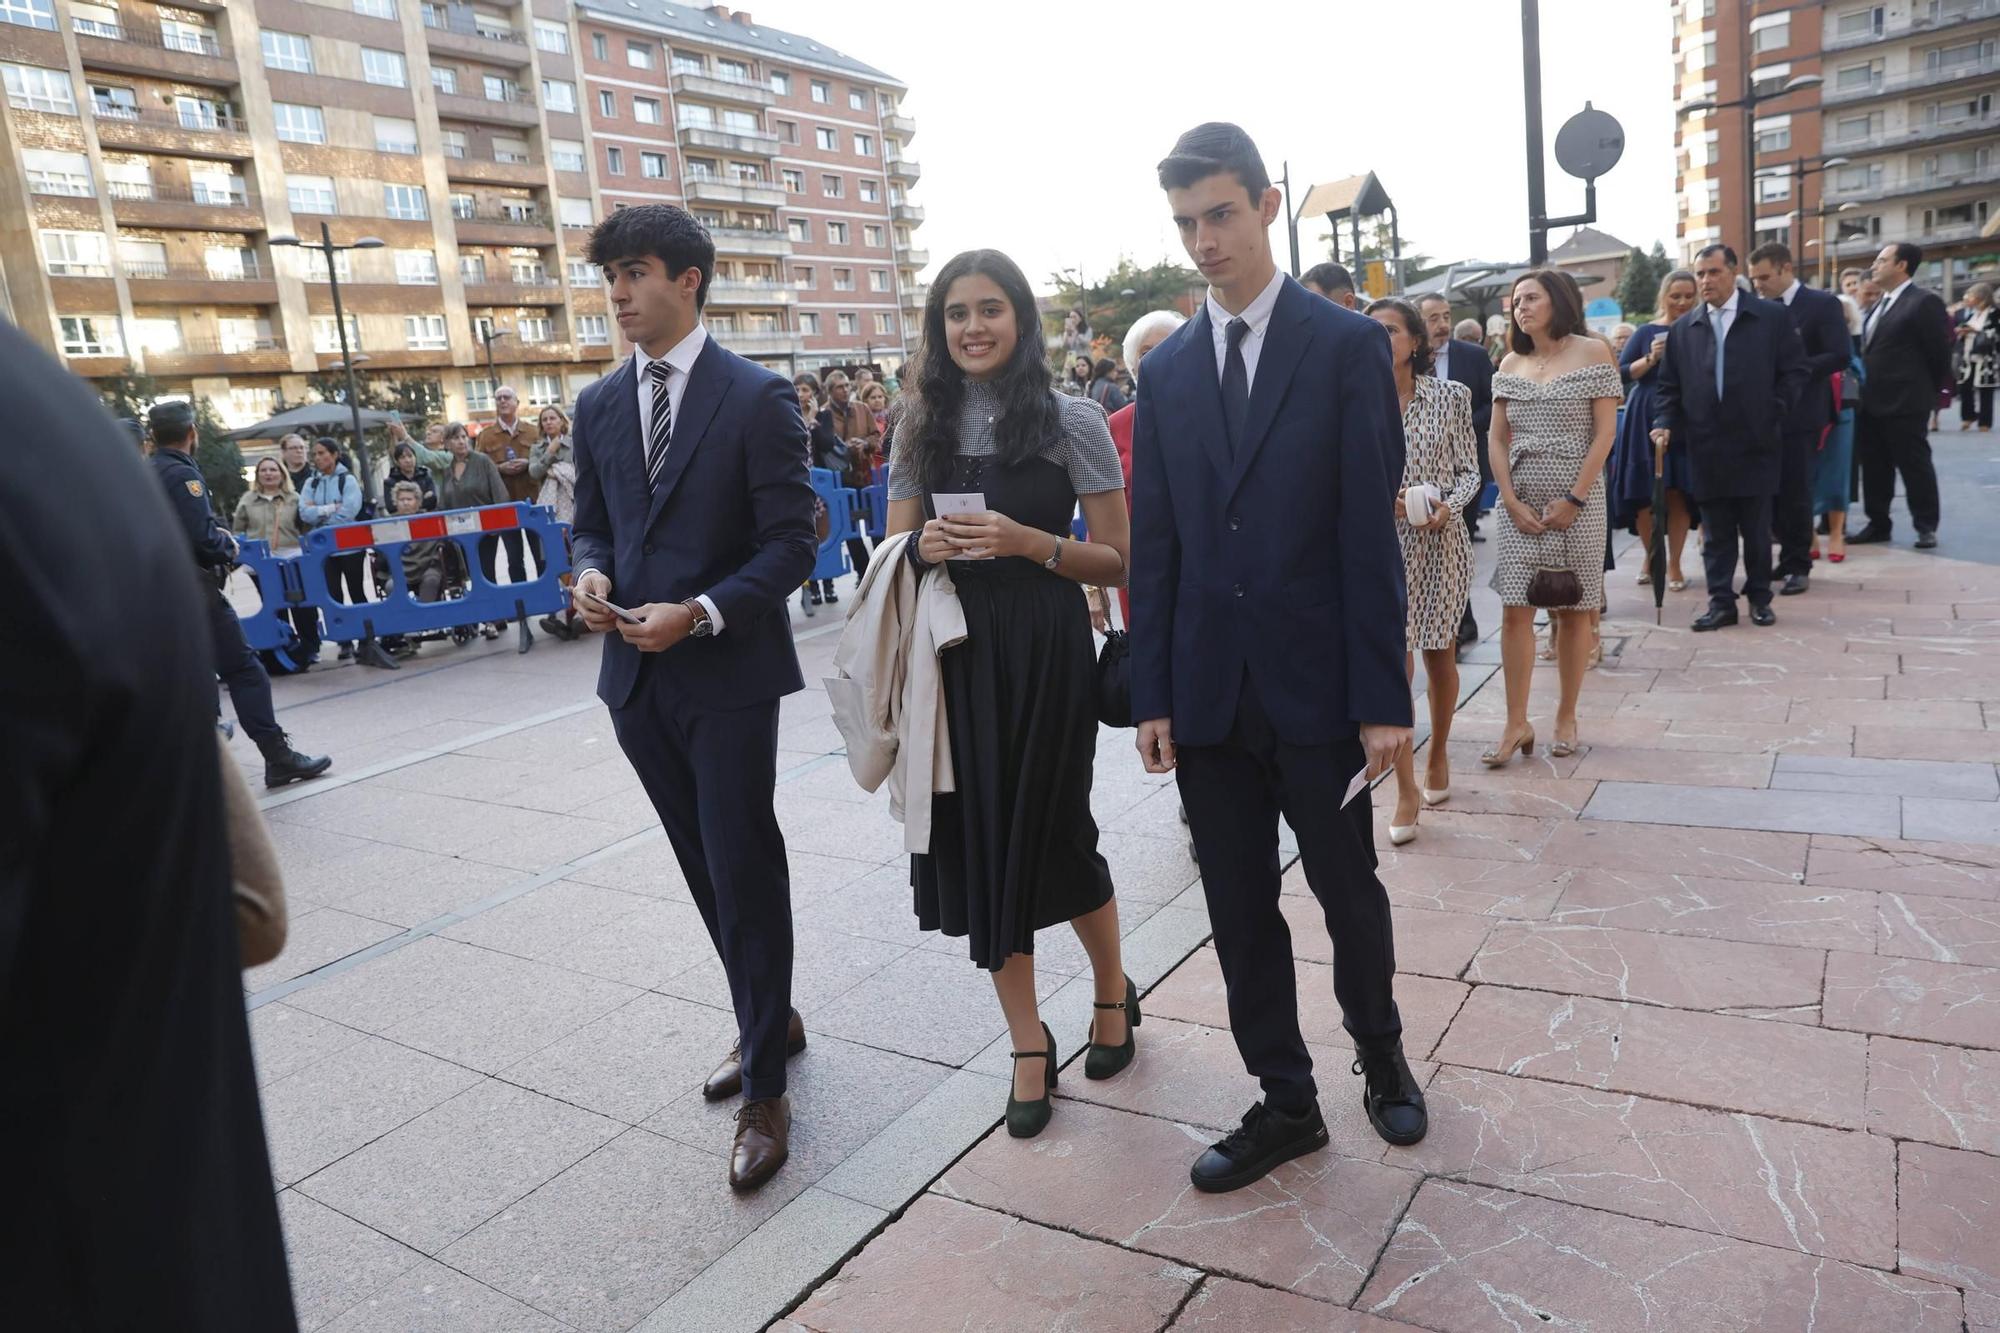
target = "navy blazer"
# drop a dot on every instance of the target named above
(1821, 321)
(1734, 446)
(732, 518)
(1471, 366)
(1908, 358)
(1280, 563)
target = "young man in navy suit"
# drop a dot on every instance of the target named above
(693, 512)
(1267, 636)
(1822, 325)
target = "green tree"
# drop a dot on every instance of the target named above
(1155, 287)
(128, 395)
(220, 461)
(1639, 288)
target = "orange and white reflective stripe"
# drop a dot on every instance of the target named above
(426, 527)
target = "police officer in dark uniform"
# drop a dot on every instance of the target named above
(215, 551)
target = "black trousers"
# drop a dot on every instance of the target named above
(1233, 794)
(1975, 404)
(517, 563)
(1727, 523)
(710, 776)
(1887, 446)
(1792, 516)
(241, 672)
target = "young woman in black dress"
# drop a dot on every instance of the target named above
(1014, 849)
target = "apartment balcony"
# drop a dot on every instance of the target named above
(518, 351)
(1882, 86)
(1936, 236)
(140, 204)
(215, 135)
(208, 356)
(1914, 183)
(459, 36)
(758, 144)
(490, 171)
(1972, 127)
(913, 214)
(916, 295)
(744, 194)
(738, 92)
(191, 284)
(750, 292)
(757, 342)
(529, 227)
(905, 169)
(516, 108)
(1949, 18)
(547, 291)
(900, 127)
(131, 49)
(913, 255)
(755, 241)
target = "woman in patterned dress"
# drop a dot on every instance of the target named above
(1440, 450)
(1555, 414)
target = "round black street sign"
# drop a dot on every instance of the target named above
(1590, 143)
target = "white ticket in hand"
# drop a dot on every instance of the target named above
(958, 504)
(1360, 783)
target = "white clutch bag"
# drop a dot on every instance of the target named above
(1419, 501)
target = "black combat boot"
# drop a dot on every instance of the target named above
(283, 764)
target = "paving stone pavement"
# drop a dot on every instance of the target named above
(1709, 1018)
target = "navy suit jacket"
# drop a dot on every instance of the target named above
(1822, 324)
(1279, 563)
(1908, 357)
(1735, 446)
(732, 518)
(1469, 365)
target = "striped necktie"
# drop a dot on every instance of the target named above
(660, 429)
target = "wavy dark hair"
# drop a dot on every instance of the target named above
(1029, 415)
(1423, 360)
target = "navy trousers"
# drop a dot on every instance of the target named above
(1726, 523)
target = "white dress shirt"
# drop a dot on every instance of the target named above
(1881, 309)
(1723, 316)
(1790, 292)
(1441, 361)
(1257, 315)
(681, 358)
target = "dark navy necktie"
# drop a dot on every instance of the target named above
(1235, 386)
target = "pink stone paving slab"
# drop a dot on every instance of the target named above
(1706, 808)
(1194, 1076)
(1480, 791)
(1888, 713)
(1675, 704)
(1958, 744)
(1787, 1070)
(1712, 853)
(1223, 1306)
(1680, 972)
(1944, 930)
(1894, 865)
(1906, 997)
(1940, 1094)
(1432, 944)
(1949, 1203)
(1313, 1226)
(945, 1262)
(1760, 682)
(1468, 1259)
(1785, 663)
(1462, 884)
(1979, 686)
(1636, 731)
(1194, 993)
(1754, 738)
(1777, 1182)
(1604, 763)
(1442, 831)
(1726, 909)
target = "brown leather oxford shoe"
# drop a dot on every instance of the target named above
(727, 1080)
(763, 1141)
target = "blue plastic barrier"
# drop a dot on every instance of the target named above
(875, 503)
(399, 612)
(840, 505)
(282, 588)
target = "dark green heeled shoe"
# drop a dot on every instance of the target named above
(1104, 1061)
(1027, 1119)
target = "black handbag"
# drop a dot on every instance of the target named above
(1114, 680)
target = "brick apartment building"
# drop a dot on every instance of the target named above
(153, 150)
(1868, 123)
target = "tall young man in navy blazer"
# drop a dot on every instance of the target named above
(694, 513)
(1822, 325)
(1267, 635)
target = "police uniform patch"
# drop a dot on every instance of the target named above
(194, 488)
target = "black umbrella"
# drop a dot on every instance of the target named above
(1656, 557)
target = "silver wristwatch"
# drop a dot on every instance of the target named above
(1055, 559)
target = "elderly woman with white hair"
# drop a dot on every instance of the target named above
(1147, 332)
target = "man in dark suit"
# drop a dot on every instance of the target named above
(1267, 631)
(1822, 324)
(693, 507)
(1467, 364)
(1906, 351)
(1732, 374)
(136, 1157)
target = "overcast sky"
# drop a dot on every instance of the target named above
(1039, 123)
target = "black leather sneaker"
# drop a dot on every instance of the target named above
(1266, 1139)
(1394, 1102)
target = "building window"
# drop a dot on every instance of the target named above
(376, 9)
(884, 322)
(1859, 24)
(310, 194)
(614, 161)
(607, 105)
(472, 269)
(395, 136)
(444, 78)
(29, 14)
(1856, 78)
(871, 235)
(830, 186)
(407, 202)
(600, 46)
(33, 88)
(1773, 189)
(479, 395)
(243, 334)
(51, 172)
(287, 50)
(735, 71)
(462, 206)
(566, 154)
(552, 36)
(847, 323)
(646, 110)
(695, 117)
(384, 67)
(827, 140)
(593, 330)
(575, 213)
(787, 130)
(800, 229)
(75, 254)
(639, 55)
(248, 405)
(878, 280)
(534, 328)
(843, 279)
(157, 335)
(871, 192)
(1850, 180)
(424, 333)
(1771, 32)
(454, 144)
(689, 62)
(559, 95)
(1711, 198)
(194, 38)
(653, 166)
(416, 268)
(701, 168)
(87, 19)
(543, 390)
(781, 83)
(1774, 133)
(802, 276)
(864, 144)
(856, 100)
(822, 92)
(809, 324)
(836, 233)
(582, 273)
(795, 180)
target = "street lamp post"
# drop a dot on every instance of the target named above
(488, 335)
(1799, 169)
(1748, 105)
(347, 357)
